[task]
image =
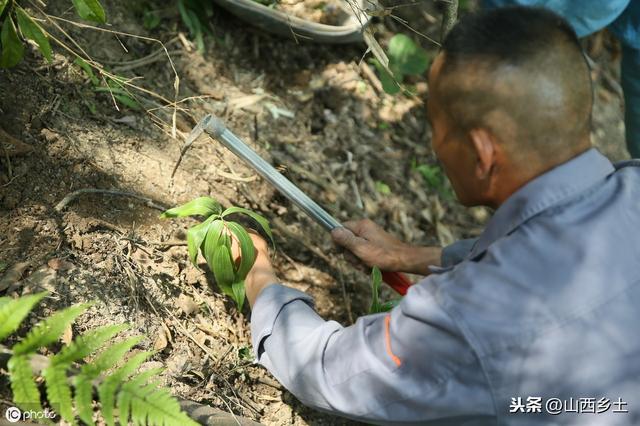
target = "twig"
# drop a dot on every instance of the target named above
(449, 17)
(75, 194)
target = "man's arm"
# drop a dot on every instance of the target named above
(376, 247)
(411, 365)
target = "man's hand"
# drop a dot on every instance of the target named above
(261, 274)
(376, 247)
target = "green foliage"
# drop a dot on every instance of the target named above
(196, 15)
(16, 25)
(91, 10)
(133, 397)
(114, 86)
(434, 178)
(405, 58)
(382, 188)
(376, 305)
(213, 238)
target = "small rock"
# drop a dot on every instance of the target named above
(58, 264)
(49, 135)
(186, 304)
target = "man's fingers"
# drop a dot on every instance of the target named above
(349, 240)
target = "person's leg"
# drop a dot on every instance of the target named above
(630, 71)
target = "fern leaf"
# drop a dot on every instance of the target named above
(59, 391)
(109, 357)
(24, 389)
(153, 406)
(84, 398)
(49, 330)
(125, 394)
(108, 388)
(13, 311)
(86, 344)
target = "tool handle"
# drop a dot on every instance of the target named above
(397, 281)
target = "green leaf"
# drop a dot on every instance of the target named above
(223, 269)
(13, 311)
(24, 389)
(86, 344)
(127, 395)
(247, 250)
(212, 239)
(408, 57)
(376, 281)
(108, 388)
(202, 206)
(387, 306)
(110, 357)
(59, 391)
(389, 83)
(382, 188)
(128, 101)
(87, 69)
(49, 330)
(195, 237)
(3, 4)
(12, 48)
(152, 406)
(83, 389)
(91, 10)
(253, 215)
(151, 19)
(31, 30)
(238, 293)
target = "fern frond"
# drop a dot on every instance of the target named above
(13, 311)
(84, 398)
(108, 388)
(24, 389)
(59, 391)
(109, 357)
(86, 344)
(49, 330)
(155, 406)
(83, 382)
(125, 395)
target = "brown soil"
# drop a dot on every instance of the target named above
(345, 140)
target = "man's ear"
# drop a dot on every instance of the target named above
(483, 142)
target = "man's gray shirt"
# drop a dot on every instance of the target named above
(544, 307)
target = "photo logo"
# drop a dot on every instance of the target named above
(13, 414)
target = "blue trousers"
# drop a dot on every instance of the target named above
(623, 19)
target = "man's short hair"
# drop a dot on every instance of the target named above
(525, 63)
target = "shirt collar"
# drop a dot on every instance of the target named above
(544, 191)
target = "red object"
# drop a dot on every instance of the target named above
(397, 281)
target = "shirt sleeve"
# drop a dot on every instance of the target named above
(409, 366)
(456, 252)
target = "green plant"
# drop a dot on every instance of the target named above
(114, 86)
(17, 26)
(434, 178)
(376, 305)
(382, 188)
(213, 238)
(195, 14)
(137, 398)
(405, 58)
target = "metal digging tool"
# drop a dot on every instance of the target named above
(215, 128)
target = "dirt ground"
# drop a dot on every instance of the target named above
(310, 109)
